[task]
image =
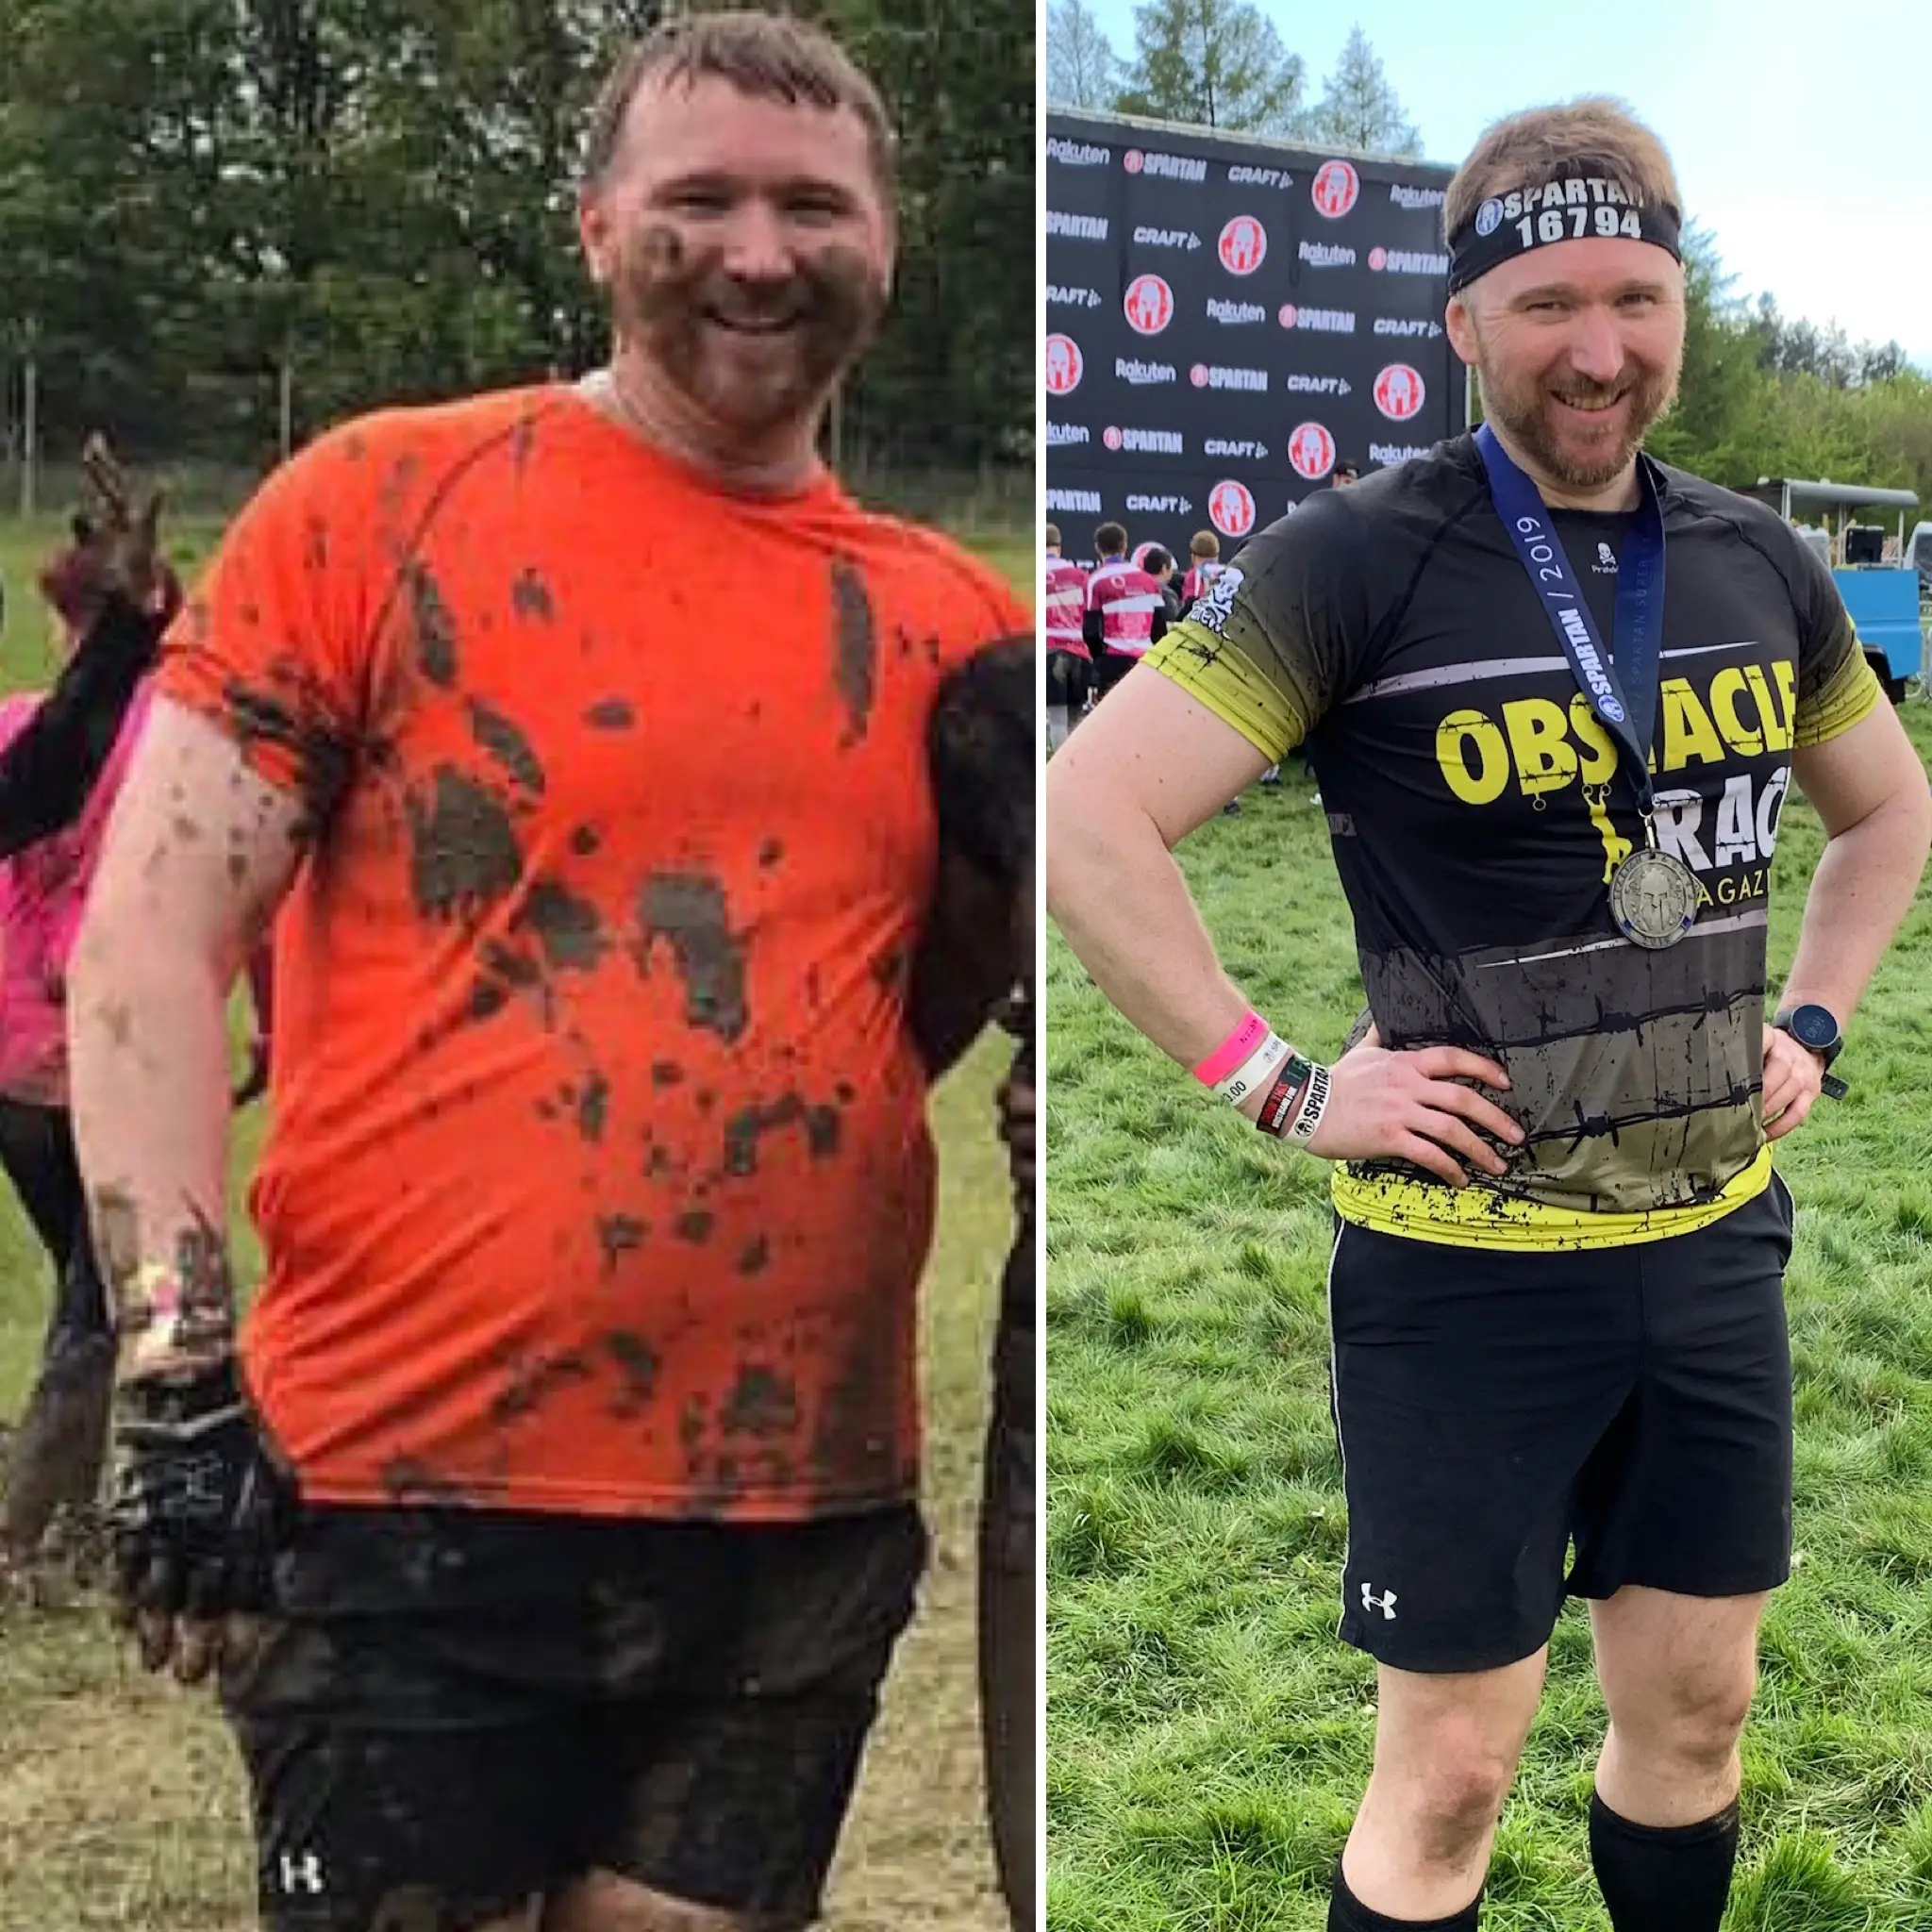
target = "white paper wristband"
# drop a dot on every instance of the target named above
(1254, 1071)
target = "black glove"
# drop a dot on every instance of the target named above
(199, 1508)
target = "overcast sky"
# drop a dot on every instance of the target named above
(1801, 134)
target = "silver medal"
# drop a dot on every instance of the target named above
(1654, 898)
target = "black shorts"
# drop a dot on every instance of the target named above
(1490, 1406)
(1109, 668)
(1068, 678)
(462, 1710)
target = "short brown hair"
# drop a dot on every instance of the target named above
(1110, 539)
(1053, 535)
(766, 56)
(1597, 136)
(1204, 543)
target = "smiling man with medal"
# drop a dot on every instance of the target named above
(1553, 776)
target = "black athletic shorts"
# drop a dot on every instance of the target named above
(1068, 678)
(464, 1709)
(1109, 668)
(1492, 1406)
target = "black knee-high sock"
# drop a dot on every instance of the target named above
(1663, 1878)
(1347, 1913)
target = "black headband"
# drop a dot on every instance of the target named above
(1576, 209)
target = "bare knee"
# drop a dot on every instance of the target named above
(603, 1902)
(1453, 1791)
(1700, 1720)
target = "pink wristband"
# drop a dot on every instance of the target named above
(1249, 1032)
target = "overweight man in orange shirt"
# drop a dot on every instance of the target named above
(572, 1441)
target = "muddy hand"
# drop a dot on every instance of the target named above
(129, 540)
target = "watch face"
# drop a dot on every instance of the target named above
(1813, 1026)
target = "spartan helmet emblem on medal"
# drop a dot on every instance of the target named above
(1489, 217)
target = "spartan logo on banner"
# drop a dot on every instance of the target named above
(1399, 392)
(1064, 366)
(1335, 188)
(1311, 450)
(1244, 244)
(1148, 305)
(1231, 507)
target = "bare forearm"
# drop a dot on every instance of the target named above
(1862, 888)
(1118, 898)
(148, 1048)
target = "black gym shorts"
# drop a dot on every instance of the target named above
(1069, 678)
(1492, 1405)
(462, 1710)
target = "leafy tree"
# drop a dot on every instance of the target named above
(1214, 63)
(1082, 69)
(1359, 110)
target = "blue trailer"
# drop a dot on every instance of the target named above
(1884, 600)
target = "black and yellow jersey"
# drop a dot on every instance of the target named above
(1477, 809)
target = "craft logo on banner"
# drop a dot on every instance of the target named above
(1065, 365)
(1231, 507)
(1149, 305)
(1311, 450)
(1399, 392)
(1243, 245)
(1335, 188)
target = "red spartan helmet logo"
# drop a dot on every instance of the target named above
(1149, 305)
(1243, 242)
(1111, 437)
(1398, 392)
(1131, 161)
(1231, 509)
(1336, 187)
(1378, 260)
(1064, 366)
(1311, 450)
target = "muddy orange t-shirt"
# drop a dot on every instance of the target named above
(599, 1177)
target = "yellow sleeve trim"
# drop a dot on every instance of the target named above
(1225, 678)
(1846, 698)
(1477, 1217)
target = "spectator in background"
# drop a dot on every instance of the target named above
(1069, 663)
(1127, 611)
(1158, 564)
(1203, 566)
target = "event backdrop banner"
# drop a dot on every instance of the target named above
(1226, 320)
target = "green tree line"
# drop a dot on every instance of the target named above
(378, 197)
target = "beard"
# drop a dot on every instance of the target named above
(1571, 450)
(754, 357)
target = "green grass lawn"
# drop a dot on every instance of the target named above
(1207, 1737)
(121, 1810)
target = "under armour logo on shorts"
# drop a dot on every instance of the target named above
(1385, 1603)
(300, 1874)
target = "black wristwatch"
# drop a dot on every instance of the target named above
(1816, 1030)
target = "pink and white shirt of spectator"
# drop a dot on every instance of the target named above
(1126, 598)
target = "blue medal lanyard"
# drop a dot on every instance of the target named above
(1622, 692)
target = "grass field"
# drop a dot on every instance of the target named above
(1207, 1737)
(119, 1807)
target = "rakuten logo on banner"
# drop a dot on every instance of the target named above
(1243, 245)
(1335, 188)
(1085, 502)
(1077, 227)
(1399, 392)
(1212, 376)
(1311, 450)
(1393, 325)
(1235, 311)
(1404, 261)
(1060, 297)
(1059, 434)
(1065, 365)
(1164, 167)
(1334, 322)
(1402, 195)
(1159, 505)
(1231, 507)
(1396, 452)
(1327, 255)
(1152, 442)
(1166, 237)
(1142, 373)
(1220, 446)
(1077, 154)
(1148, 305)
